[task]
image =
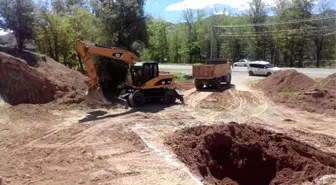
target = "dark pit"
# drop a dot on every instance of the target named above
(241, 154)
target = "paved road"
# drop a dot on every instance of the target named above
(313, 72)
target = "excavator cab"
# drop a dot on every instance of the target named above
(143, 72)
(148, 85)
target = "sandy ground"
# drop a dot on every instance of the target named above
(116, 146)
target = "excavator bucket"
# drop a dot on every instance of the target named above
(96, 96)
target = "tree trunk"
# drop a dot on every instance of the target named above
(218, 49)
(54, 33)
(20, 44)
(319, 46)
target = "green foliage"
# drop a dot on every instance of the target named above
(56, 25)
(158, 46)
(180, 77)
(18, 16)
(123, 22)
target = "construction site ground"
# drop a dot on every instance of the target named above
(42, 145)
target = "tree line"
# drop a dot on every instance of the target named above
(294, 33)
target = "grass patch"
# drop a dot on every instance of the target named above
(180, 77)
(318, 79)
(289, 93)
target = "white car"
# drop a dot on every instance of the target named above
(261, 68)
(241, 63)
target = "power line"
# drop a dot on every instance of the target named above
(276, 36)
(271, 24)
(306, 30)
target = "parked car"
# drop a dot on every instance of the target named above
(261, 68)
(241, 63)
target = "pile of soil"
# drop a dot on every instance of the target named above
(328, 84)
(241, 154)
(297, 90)
(286, 81)
(40, 81)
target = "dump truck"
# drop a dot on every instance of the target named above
(212, 73)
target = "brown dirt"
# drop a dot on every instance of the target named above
(328, 83)
(242, 154)
(185, 85)
(40, 81)
(226, 100)
(286, 81)
(297, 90)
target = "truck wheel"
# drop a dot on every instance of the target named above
(251, 73)
(136, 99)
(198, 84)
(228, 79)
(169, 97)
(218, 84)
(268, 74)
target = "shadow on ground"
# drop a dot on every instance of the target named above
(101, 114)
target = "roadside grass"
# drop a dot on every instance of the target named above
(180, 77)
(318, 79)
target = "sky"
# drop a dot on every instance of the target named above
(171, 10)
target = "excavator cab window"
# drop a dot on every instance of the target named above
(144, 72)
(151, 70)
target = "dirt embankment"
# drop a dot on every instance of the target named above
(241, 154)
(297, 90)
(38, 80)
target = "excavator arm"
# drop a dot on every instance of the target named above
(85, 52)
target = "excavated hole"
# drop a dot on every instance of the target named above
(245, 155)
(243, 163)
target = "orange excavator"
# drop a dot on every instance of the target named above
(146, 84)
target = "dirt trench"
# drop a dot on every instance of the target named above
(246, 155)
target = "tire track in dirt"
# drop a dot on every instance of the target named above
(195, 98)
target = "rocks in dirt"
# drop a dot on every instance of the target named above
(40, 81)
(242, 154)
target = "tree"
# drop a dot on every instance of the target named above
(158, 47)
(18, 16)
(257, 15)
(193, 23)
(123, 22)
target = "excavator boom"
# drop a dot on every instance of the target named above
(85, 52)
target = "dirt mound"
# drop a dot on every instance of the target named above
(241, 154)
(297, 90)
(42, 82)
(286, 81)
(328, 84)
